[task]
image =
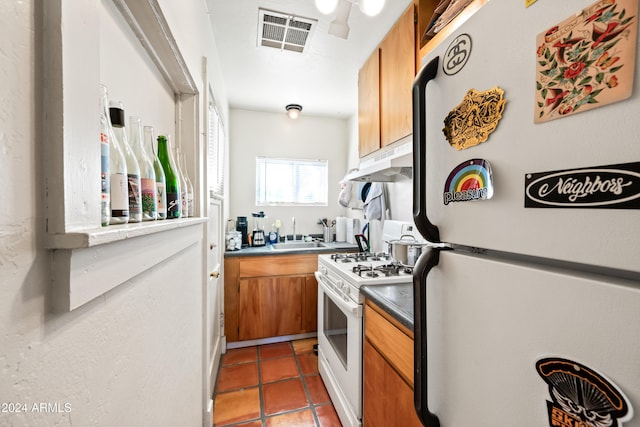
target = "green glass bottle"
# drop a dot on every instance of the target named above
(172, 182)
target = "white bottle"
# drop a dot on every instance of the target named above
(189, 186)
(116, 111)
(118, 187)
(147, 172)
(184, 192)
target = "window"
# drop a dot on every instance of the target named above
(289, 182)
(215, 142)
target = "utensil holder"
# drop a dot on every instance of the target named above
(327, 234)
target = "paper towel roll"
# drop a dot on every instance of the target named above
(341, 229)
(352, 229)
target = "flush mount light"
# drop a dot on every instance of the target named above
(326, 6)
(368, 7)
(371, 7)
(293, 110)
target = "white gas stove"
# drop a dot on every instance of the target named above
(340, 325)
(347, 272)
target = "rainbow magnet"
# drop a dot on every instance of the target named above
(470, 180)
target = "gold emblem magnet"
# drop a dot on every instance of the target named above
(471, 122)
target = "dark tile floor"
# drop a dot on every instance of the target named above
(273, 385)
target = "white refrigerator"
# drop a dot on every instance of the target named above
(527, 307)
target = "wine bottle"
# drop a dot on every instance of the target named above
(116, 110)
(105, 128)
(118, 186)
(157, 168)
(183, 165)
(147, 173)
(184, 193)
(172, 181)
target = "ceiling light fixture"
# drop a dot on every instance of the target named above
(371, 7)
(326, 6)
(293, 110)
(368, 7)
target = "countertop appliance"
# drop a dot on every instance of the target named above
(340, 329)
(527, 312)
(258, 237)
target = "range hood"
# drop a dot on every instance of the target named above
(386, 164)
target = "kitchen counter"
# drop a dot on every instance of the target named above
(268, 250)
(396, 300)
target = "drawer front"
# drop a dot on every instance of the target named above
(394, 344)
(279, 265)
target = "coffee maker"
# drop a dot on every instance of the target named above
(242, 227)
(258, 236)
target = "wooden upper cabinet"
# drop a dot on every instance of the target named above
(426, 10)
(397, 72)
(384, 88)
(369, 105)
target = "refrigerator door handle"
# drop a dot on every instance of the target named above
(426, 228)
(420, 393)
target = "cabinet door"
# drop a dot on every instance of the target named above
(270, 306)
(369, 105)
(388, 400)
(310, 304)
(397, 71)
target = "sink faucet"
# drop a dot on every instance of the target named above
(293, 227)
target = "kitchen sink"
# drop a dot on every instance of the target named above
(298, 245)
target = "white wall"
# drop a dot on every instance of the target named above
(130, 357)
(253, 133)
(131, 77)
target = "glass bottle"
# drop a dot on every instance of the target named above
(105, 130)
(147, 173)
(172, 181)
(118, 187)
(190, 193)
(187, 188)
(116, 110)
(161, 197)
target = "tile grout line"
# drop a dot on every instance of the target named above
(306, 389)
(263, 419)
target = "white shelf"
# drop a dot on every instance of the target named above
(114, 233)
(88, 260)
(102, 260)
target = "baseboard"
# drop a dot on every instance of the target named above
(272, 340)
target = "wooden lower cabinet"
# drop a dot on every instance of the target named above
(270, 296)
(275, 306)
(388, 392)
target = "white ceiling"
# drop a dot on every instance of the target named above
(323, 79)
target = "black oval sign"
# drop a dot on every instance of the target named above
(615, 186)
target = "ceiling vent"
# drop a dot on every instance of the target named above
(283, 31)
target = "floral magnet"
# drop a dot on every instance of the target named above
(586, 61)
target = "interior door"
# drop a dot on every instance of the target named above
(213, 294)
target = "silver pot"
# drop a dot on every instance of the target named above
(406, 250)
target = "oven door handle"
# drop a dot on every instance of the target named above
(346, 306)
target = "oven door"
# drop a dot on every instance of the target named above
(340, 350)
